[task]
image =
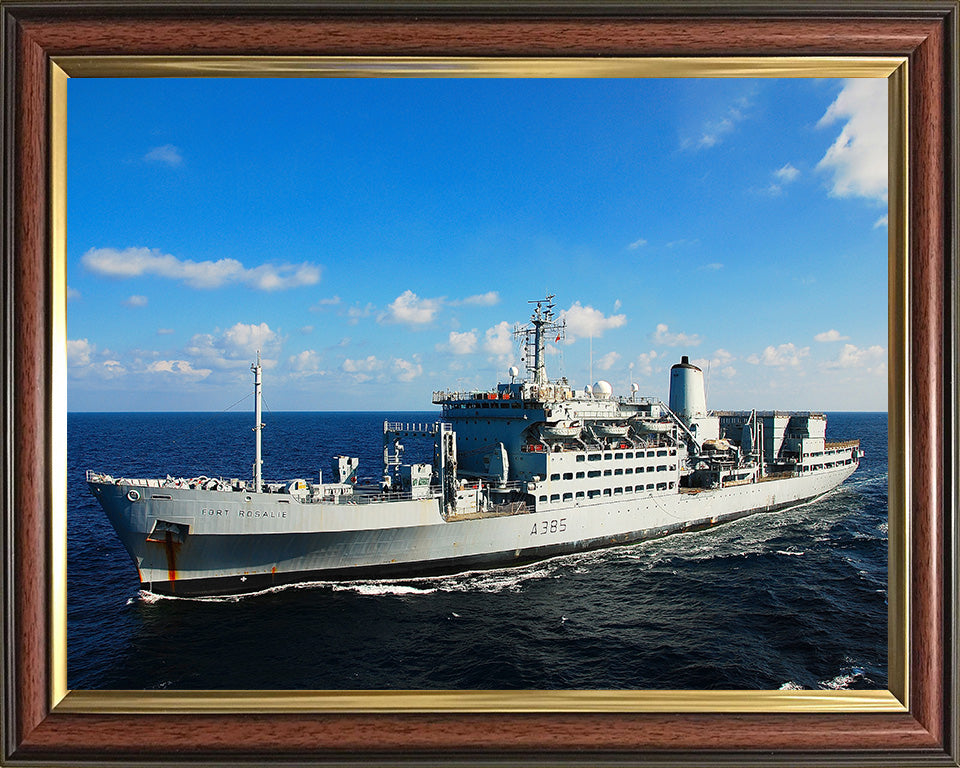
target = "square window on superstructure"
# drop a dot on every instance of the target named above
(606, 491)
(618, 455)
(581, 457)
(568, 475)
(555, 497)
(607, 472)
(608, 455)
(628, 455)
(568, 497)
(580, 494)
(555, 476)
(618, 471)
(628, 470)
(618, 491)
(579, 475)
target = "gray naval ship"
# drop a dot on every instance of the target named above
(524, 471)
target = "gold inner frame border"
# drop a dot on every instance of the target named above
(893, 700)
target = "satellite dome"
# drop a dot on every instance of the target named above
(634, 387)
(602, 389)
(513, 371)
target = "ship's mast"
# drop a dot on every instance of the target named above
(534, 338)
(258, 427)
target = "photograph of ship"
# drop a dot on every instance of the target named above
(477, 384)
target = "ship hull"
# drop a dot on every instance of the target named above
(199, 543)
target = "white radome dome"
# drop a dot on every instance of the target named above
(602, 389)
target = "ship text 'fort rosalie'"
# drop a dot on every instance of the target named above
(524, 471)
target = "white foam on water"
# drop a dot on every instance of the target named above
(380, 588)
(792, 554)
(791, 686)
(843, 680)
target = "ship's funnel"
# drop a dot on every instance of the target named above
(688, 399)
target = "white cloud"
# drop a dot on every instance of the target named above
(111, 369)
(645, 362)
(873, 358)
(608, 360)
(410, 309)
(356, 313)
(362, 370)
(167, 154)
(586, 322)
(786, 174)
(712, 267)
(366, 365)
(830, 335)
(783, 356)
(461, 343)
(306, 330)
(717, 364)
(714, 131)
(637, 244)
(72, 294)
(79, 351)
(881, 222)
(307, 361)
(857, 160)
(663, 336)
(80, 360)
(136, 262)
(180, 368)
(236, 347)
(683, 242)
(499, 340)
(405, 370)
(488, 299)
(165, 331)
(136, 301)
(322, 304)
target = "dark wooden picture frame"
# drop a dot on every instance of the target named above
(35, 731)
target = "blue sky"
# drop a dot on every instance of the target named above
(378, 239)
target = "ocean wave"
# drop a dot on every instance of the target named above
(844, 680)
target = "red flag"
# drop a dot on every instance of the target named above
(557, 339)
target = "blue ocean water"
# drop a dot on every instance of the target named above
(794, 599)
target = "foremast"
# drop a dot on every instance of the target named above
(258, 425)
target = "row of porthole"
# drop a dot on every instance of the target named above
(612, 472)
(595, 493)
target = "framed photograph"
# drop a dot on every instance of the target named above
(141, 59)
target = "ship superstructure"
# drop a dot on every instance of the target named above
(528, 469)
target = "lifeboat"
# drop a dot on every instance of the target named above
(661, 426)
(611, 430)
(561, 429)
